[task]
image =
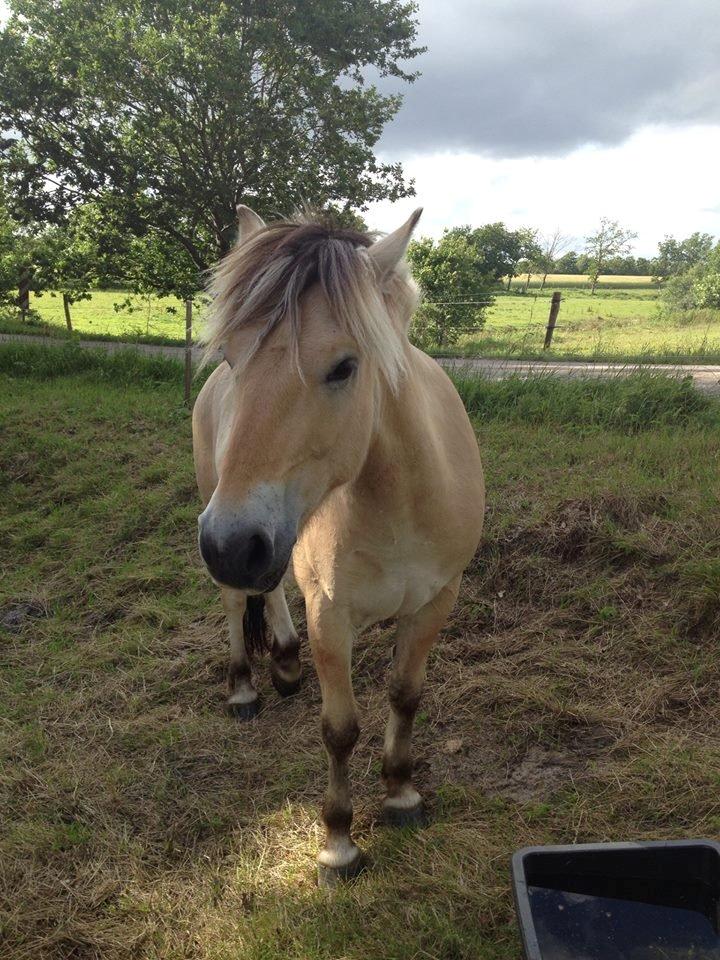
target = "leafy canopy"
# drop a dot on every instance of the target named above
(678, 256)
(498, 249)
(170, 112)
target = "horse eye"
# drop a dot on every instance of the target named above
(343, 371)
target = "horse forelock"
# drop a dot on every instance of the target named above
(263, 279)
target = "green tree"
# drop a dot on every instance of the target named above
(679, 256)
(567, 263)
(610, 240)
(550, 247)
(9, 260)
(70, 257)
(498, 249)
(706, 289)
(177, 111)
(526, 249)
(698, 286)
(456, 291)
(23, 257)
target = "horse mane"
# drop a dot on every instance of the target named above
(262, 280)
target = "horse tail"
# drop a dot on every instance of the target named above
(254, 629)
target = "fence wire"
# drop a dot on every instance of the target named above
(117, 313)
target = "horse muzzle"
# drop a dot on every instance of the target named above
(244, 550)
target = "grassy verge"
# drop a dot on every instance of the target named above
(22, 359)
(572, 697)
(491, 346)
(632, 404)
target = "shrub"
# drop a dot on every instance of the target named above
(706, 290)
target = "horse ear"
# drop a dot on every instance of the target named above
(388, 252)
(248, 222)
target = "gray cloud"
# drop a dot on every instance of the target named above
(521, 77)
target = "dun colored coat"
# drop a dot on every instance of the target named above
(328, 447)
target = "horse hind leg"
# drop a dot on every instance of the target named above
(242, 699)
(285, 667)
(403, 805)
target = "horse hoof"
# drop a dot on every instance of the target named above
(286, 688)
(244, 711)
(405, 816)
(329, 877)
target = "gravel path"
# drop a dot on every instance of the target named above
(706, 376)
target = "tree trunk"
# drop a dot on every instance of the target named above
(542, 285)
(595, 279)
(24, 292)
(510, 279)
(66, 308)
(527, 283)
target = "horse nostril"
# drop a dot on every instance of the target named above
(259, 553)
(240, 558)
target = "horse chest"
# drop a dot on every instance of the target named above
(386, 588)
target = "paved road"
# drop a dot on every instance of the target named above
(706, 376)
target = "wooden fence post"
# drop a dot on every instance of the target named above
(552, 319)
(66, 308)
(24, 292)
(188, 350)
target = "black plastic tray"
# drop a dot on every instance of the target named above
(672, 876)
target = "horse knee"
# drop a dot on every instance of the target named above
(404, 697)
(340, 739)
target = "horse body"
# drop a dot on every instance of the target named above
(356, 466)
(385, 544)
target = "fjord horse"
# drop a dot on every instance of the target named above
(326, 443)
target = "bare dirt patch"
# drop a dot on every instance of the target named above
(15, 616)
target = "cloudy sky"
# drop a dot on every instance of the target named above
(555, 113)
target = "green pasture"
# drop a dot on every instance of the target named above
(622, 321)
(614, 324)
(107, 313)
(572, 697)
(577, 281)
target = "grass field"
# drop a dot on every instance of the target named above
(621, 321)
(575, 281)
(614, 324)
(573, 696)
(149, 319)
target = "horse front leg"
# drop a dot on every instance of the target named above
(331, 643)
(242, 696)
(403, 805)
(285, 668)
